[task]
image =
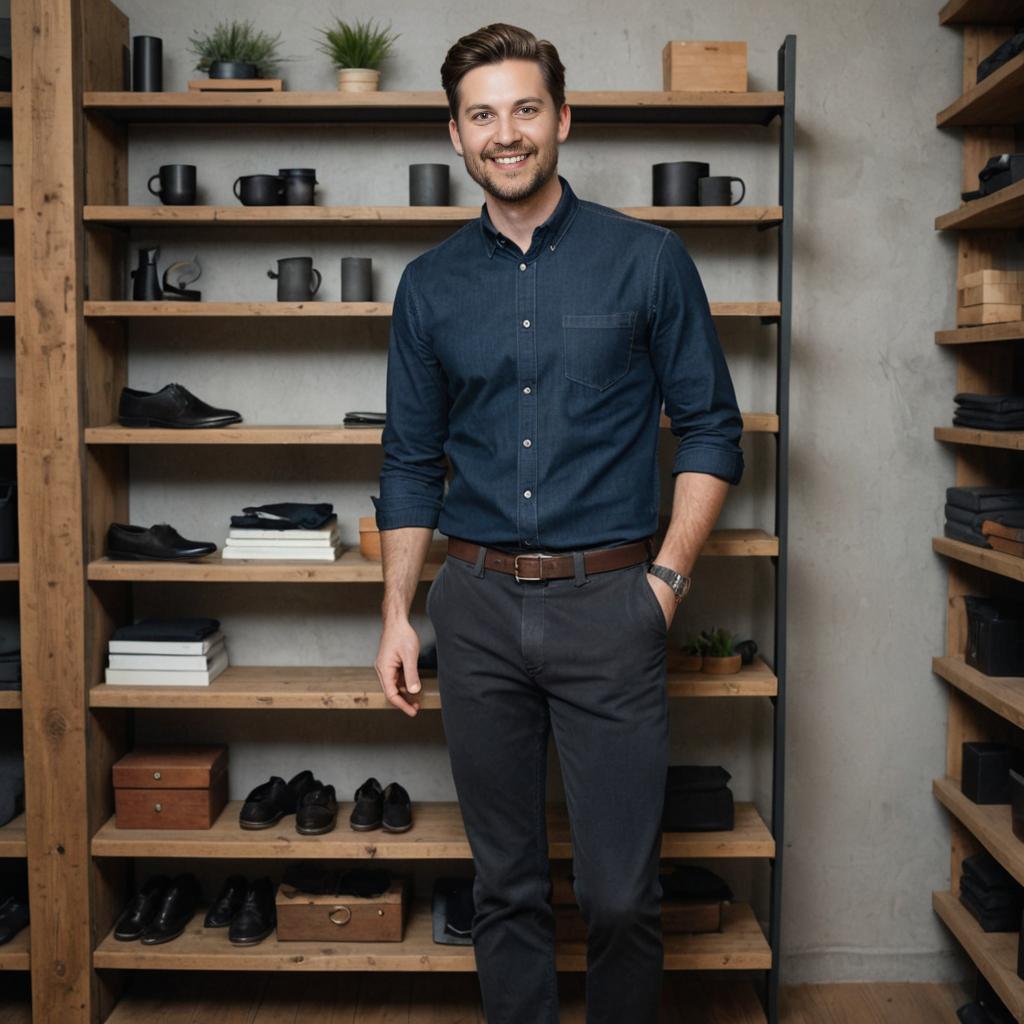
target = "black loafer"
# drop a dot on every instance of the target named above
(181, 898)
(13, 917)
(397, 809)
(318, 812)
(268, 803)
(227, 904)
(171, 406)
(132, 543)
(257, 917)
(369, 809)
(141, 909)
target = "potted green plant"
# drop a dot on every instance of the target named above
(720, 658)
(237, 49)
(357, 50)
(691, 656)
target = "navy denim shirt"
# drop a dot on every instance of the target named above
(541, 377)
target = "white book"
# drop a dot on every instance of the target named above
(167, 662)
(166, 646)
(284, 544)
(291, 555)
(152, 677)
(328, 529)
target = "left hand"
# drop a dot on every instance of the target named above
(666, 597)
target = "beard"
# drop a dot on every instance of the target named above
(541, 166)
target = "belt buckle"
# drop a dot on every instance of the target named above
(526, 579)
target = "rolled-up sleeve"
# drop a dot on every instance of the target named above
(416, 427)
(691, 368)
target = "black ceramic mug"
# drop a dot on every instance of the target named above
(259, 189)
(297, 279)
(717, 190)
(299, 185)
(356, 279)
(428, 184)
(177, 184)
(675, 183)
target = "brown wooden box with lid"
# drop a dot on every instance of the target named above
(170, 787)
(309, 917)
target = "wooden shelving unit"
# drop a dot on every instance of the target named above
(981, 707)
(12, 838)
(14, 955)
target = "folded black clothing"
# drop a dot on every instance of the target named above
(1012, 517)
(365, 882)
(988, 421)
(168, 630)
(695, 778)
(988, 871)
(285, 515)
(999, 56)
(990, 403)
(364, 417)
(990, 899)
(689, 882)
(1002, 920)
(986, 498)
(961, 531)
(315, 878)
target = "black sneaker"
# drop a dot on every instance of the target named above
(369, 809)
(397, 809)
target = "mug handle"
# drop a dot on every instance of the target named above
(319, 281)
(742, 193)
(272, 274)
(149, 184)
(234, 188)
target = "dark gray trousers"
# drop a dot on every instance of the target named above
(586, 658)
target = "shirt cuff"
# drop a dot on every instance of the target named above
(410, 515)
(726, 463)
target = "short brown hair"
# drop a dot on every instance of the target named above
(493, 44)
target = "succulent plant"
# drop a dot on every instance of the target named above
(237, 41)
(719, 643)
(356, 45)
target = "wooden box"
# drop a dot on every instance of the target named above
(307, 917)
(988, 313)
(170, 787)
(704, 66)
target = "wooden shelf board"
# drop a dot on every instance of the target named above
(990, 824)
(740, 945)
(14, 955)
(5, 101)
(981, 558)
(400, 216)
(981, 12)
(1002, 209)
(993, 953)
(357, 688)
(1012, 330)
(118, 309)
(10, 700)
(8, 571)
(12, 838)
(8, 435)
(426, 107)
(6, 309)
(114, 433)
(437, 834)
(1010, 439)
(996, 100)
(1002, 694)
(6, 213)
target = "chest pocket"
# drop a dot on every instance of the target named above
(597, 347)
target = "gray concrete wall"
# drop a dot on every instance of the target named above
(866, 843)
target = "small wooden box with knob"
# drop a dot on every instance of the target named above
(310, 917)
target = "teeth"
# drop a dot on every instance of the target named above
(509, 159)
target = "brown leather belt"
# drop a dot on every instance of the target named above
(532, 567)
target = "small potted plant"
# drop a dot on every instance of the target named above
(720, 658)
(357, 50)
(237, 49)
(691, 656)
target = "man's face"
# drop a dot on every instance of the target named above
(506, 111)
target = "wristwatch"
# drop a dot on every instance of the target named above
(679, 583)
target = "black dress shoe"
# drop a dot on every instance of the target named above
(258, 916)
(369, 809)
(268, 803)
(171, 406)
(13, 917)
(134, 543)
(318, 812)
(180, 900)
(141, 909)
(397, 809)
(227, 904)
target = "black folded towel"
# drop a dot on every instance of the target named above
(992, 404)
(988, 871)
(1002, 920)
(974, 520)
(988, 421)
(284, 515)
(168, 630)
(986, 498)
(961, 531)
(991, 899)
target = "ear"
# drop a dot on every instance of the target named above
(453, 132)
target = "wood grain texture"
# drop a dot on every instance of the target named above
(1002, 694)
(991, 561)
(1012, 440)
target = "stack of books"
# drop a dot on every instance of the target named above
(167, 652)
(313, 545)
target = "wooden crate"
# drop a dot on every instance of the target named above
(170, 787)
(704, 66)
(308, 917)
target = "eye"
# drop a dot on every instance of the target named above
(528, 108)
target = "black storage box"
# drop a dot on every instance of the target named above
(698, 799)
(995, 636)
(985, 773)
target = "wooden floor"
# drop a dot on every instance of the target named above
(376, 998)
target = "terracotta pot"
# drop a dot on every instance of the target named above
(358, 79)
(722, 666)
(369, 538)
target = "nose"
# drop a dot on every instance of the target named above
(506, 131)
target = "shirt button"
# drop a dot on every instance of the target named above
(527, 443)
(522, 266)
(527, 494)
(527, 390)
(526, 323)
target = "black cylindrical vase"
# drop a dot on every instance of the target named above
(147, 64)
(675, 183)
(356, 279)
(428, 184)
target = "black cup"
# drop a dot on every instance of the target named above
(356, 279)
(259, 189)
(675, 183)
(147, 64)
(177, 184)
(299, 185)
(297, 279)
(717, 190)
(428, 184)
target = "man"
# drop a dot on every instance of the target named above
(533, 349)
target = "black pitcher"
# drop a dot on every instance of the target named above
(145, 280)
(297, 279)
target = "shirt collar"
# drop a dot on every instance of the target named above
(553, 228)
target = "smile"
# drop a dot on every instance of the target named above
(510, 161)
